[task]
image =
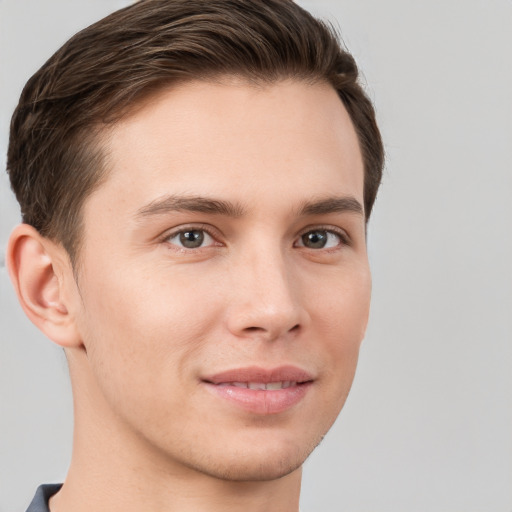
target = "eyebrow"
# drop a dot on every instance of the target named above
(190, 204)
(332, 205)
(201, 204)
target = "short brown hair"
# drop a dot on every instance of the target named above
(54, 157)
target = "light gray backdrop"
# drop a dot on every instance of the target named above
(428, 426)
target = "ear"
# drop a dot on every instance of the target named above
(40, 271)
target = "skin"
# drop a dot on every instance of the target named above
(147, 319)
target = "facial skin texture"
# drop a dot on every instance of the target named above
(153, 319)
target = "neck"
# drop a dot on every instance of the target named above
(128, 492)
(116, 469)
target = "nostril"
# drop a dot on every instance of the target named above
(296, 327)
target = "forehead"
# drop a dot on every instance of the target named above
(233, 137)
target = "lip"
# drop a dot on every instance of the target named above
(258, 401)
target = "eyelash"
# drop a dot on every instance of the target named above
(341, 234)
(202, 227)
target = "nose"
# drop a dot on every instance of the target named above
(266, 301)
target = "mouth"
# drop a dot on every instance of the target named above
(268, 386)
(261, 391)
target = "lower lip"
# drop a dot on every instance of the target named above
(258, 401)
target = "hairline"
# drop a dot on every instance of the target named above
(98, 135)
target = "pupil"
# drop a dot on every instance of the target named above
(315, 239)
(192, 239)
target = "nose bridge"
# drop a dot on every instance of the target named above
(265, 299)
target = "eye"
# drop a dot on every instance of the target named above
(320, 239)
(191, 238)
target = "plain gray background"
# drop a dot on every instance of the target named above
(428, 426)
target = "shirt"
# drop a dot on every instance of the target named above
(43, 494)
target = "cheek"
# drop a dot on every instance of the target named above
(341, 317)
(343, 304)
(137, 325)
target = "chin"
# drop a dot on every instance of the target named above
(252, 471)
(258, 463)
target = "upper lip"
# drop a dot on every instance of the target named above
(258, 374)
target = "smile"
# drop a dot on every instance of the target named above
(270, 386)
(261, 391)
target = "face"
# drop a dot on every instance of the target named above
(224, 284)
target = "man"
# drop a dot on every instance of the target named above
(195, 178)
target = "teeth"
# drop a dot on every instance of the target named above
(256, 385)
(275, 385)
(272, 386)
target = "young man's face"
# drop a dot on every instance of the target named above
(224, 252)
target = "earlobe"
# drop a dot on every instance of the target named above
(33, 262)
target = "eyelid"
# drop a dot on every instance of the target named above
(210, 230)
(216, 235)
(343, 235)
